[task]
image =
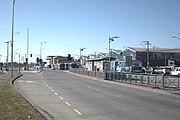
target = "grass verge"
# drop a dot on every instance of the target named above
(13, 106)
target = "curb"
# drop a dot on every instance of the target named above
(13, 79)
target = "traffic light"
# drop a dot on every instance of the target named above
(37, 60)
(40, 60)
(26, 59)
(30, 55)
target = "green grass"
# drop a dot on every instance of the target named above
(14, 107)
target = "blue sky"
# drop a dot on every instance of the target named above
(68, 25)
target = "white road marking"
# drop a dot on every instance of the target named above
(29, 75)
(77, 112)
(23, 81)
(61, 97)
(68, 103)
(93, 88)
(55, 93)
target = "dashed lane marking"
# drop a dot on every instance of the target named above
(61, 97)
(79, 113)
(55, 93)
(67, 103)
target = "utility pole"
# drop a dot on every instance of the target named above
(40, 61)
(147, 44)
(12, 39)
(80, 58)
(111, 39)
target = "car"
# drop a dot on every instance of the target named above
(162, 70)
(159, 70)
(136, 69)
(122, 69)
(176, 71)
(148, 70)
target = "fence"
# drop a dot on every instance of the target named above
(88, 73)
(151, 80)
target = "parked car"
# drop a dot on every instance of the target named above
(149, 70)
(162, 70)
(176, 71)
(136, 69)
(122, 69)
(168, 70)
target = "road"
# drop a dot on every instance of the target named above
(64, 96)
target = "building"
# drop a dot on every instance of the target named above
(97, 62)
(129, 56)
(152, 57)
(58, 59)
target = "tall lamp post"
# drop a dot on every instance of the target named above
(147, 43)
(176, 37)
(41, 55)
(81, 49)
(111, 39)
(12, 38)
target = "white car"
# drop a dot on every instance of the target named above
(160, 70)
(176, 71)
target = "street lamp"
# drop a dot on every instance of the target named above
(81, 49)
(41, 54)
(147, 43)
(12, 39)
(176, 37)
(111, 39)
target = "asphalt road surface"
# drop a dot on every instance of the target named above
(61, 95)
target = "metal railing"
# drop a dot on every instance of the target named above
(160, 81)
(152, 80)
